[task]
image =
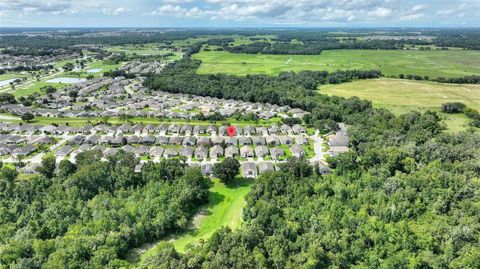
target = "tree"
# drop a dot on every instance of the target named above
(27, 117)
(66, 168)
(48, 89)
(48, 166)
(7, 98)
(88, 157)
(227, 169)
(453, 107)
(73, 94)
(7, 175)
(68, 66)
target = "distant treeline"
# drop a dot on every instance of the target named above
(475, 79)
(37, 52)
(300, 41)
(314, 47)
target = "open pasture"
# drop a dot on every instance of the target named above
(434, 63)
(401, 96)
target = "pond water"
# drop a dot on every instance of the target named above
(6, 82)
(94, 70)
(66, 80)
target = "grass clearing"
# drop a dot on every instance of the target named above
(402, 96)
(224, 209)
(434, 63)
(98, 120)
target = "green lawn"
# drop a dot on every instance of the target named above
(401, 96)
(83, 121)
(145, 49)
(35, 87)
(433, 63)
(11, 75)
(224, 209)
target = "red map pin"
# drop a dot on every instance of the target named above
(231, 130)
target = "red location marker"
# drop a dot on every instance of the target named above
(231, 130)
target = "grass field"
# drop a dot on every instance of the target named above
(224, 209)
(401, 96)
(83, 121)
(435, 63)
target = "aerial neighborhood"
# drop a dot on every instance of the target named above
(264, 146)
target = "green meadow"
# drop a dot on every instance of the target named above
(223, 209)
(434, 63)
(401, 96)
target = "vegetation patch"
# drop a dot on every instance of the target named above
(432, 63)
(402, 96)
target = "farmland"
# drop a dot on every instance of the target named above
(434, 63)
(401, 96)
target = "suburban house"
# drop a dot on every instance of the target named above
(248, 169)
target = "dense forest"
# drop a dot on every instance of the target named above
(92, 213)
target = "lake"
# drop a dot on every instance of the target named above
(94, 70)
(6, 82)
(66, 80)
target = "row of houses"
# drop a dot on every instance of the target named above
(339, 141)
(200, 152)
(164, 129)
(118, 140)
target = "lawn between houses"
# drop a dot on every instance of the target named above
(117, 121)
(224, 208)
(402, 96)
(434, 63)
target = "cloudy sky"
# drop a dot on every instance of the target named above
(239, 13)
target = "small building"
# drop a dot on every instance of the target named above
(244, 140)
(276, 153)
(231, 151)
(297, 151)
(258, 140)
(264, 167)
(299, 129)
(248, 169)
(156, 151)
(337, 150)
(246, 152)
(170, 152)
(142, 151)
(186, 151)
(261, 151)
(301, 140)
(63, 151)
(189, 141)
(201, 153)
(175, 140)
(216, 152)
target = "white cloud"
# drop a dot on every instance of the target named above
(177, 1)
(418, 7)
(179, 11)
(445, 11)
(410, 17)
(380, 12)
(258, 12)
(116, 11)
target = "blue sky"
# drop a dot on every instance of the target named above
(239, 13)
